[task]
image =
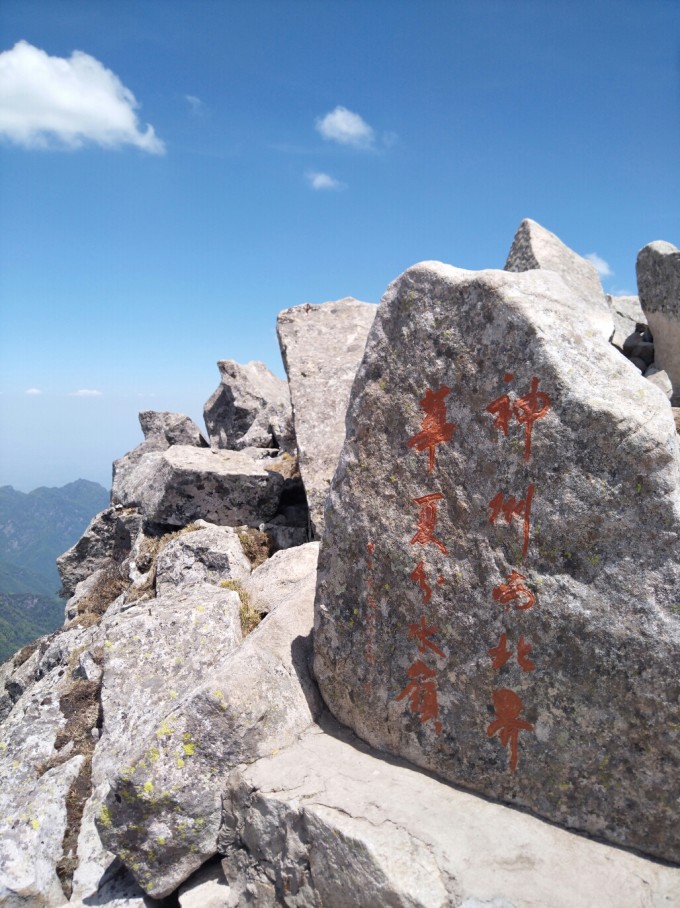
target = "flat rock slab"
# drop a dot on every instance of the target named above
(536, 247)
(658, 276)
(326, 823)
(210, 554)
(499, 577)
(185, 483)
(322, 346)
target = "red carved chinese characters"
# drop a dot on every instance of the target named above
(526, 411)
(513, 508)
(514, 591)
(422, 693)
(507, 724)
(423, 633)
(434, 429)
(419, 576)
(500, 654)
(427, 520)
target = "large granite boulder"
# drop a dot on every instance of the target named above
(500, 571)
(250, 408)
(163, 813)
(208, 554)
(322, 346)
(161, 430)
(107, 540)
(536, 247)
(658, 276)
(328, 823)
(185, 483)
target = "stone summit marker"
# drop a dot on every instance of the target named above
(499, 580)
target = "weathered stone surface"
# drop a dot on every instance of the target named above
(108, 538)
(251, 407)
(185, 483)
(627, 313)
(660, 378)
(163, 813)
(154, 654)
(207, 888)
(327, 822)
(658, 276)
(322, 347)
(281, 576)
(536, 247)
(408, 634)
(209, 554)
(161, 430)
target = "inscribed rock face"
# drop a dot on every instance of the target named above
(499, 582)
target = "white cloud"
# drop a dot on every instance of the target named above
(603, 268)
(86, 392)
(57, 102)
(197, 106)
(33, 392)
(347, 128)
(323, 181)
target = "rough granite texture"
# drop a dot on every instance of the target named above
(209, 554)
(327, 823)
(321, 346)
(163, 812)
(536, 247)
(107, 540)
(493, 607)
(250, 408)
(185, 483)
(658, 276)
(627, 313)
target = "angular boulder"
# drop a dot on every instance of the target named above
(161, 430)
(321, 346)
(627, 313)
(536, 247)
(163, 813)
(186, 483)
(107, 540)
(658, 276)
(500, 570)
(209, 554)
(250, 408)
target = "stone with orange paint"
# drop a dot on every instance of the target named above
(568, 545)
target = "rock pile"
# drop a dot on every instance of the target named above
(496, 601)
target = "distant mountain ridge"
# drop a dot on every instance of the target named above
(35, 528)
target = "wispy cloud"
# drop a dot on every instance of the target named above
(86, 392)
(346, 127)
(33, 392)
(48, 102)
(197, 106)
(603, 268)
(323, 181)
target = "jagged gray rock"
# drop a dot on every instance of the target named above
(536, 247)
(108, 539)
(658, 276)
(503, 631)
(186, 483)
(255, 700)
(250, 408)
(208, 554)
(327, 822)
(322, 346)
(161, 430)
(627, 313)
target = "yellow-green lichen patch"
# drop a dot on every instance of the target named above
(148, 788)
(189, 749)
(104, 815)
(165, 729)
(180, 763)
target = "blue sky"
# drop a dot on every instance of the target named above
(198, 166)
